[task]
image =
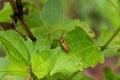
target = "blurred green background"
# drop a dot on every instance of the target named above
(102, 18)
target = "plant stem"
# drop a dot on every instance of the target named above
(33, 77)
(116, 32)
(111, 38)
(12, 3)
(18, 12)
(25, 26)
(115, 6)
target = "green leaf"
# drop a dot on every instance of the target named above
(5, 13)
(4, 63)
(69, 25)
(81, 76)
(108, 74)
(43, 42)
(83, 53)
(13, 77)
(42, 62)
(2, 50)
(111, 16)
(7, 68)
(58, 76)
(18, 50)
(54, 43)
(32, 19)
(52, 12)
(21, 70)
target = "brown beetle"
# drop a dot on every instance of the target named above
(64, 45)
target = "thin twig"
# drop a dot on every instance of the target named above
(18, 12)
(111, 38)
(13, 4)
(33, 77)
(14, 26)
(27, 29)
(115, 33)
